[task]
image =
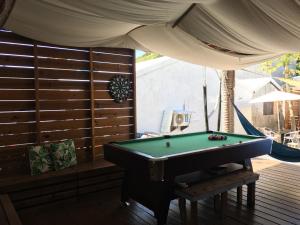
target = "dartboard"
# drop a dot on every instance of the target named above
(119, 88)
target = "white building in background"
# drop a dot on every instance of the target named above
(169, 84)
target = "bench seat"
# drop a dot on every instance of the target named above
(28, 191)
(214, 187)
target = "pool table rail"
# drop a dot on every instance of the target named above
(209, 158)
(169, 166)
(115, 145)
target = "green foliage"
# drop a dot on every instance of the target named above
(148, 56)
(63, 154)
(285, 61)
(40, 160)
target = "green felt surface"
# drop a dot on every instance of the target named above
(156, 147)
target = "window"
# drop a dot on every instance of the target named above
(268, 108)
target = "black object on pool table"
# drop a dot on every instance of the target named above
(168, 144)
(217, 137)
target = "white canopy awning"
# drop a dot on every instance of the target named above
(225, 34)
(276, 96)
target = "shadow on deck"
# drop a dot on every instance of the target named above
(277, 202)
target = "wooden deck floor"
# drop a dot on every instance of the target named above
(277, 202)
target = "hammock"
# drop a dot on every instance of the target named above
(279, 151)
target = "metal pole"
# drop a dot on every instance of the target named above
(220, 106)
(205, 107)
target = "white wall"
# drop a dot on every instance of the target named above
(168, 84)
(168, 87)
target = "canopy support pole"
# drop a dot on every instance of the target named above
(228, 83)
(220, 105)
(205, 107)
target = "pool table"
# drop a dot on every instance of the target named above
(152, 165)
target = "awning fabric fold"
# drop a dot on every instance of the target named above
(276, 96)
(222, 34)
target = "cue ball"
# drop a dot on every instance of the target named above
(168, 144)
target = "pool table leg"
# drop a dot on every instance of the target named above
(161, 214)
(217, 203)
(194, 213)
(124, 190)
(182, 209)
(247, 164)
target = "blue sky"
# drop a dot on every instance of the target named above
(139, 53)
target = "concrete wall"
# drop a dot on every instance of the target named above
(168, 84)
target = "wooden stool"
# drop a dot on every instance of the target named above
(220, 208)
(250, 195)
(215, 187)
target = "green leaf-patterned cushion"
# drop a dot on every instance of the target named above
(63, 154)
(40, 160)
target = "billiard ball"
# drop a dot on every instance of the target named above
(217, 137)
(168, 144)
(224, 137)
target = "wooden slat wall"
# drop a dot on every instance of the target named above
(296, 110)
(114, 119)
(51, 93)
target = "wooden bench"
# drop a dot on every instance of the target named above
(216, 187)
(27, 191)
(8, 214)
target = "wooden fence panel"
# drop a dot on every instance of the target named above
(50, 93)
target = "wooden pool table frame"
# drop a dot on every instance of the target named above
(151, 181)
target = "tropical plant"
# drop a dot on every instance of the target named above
(148, 56)
(290, 62)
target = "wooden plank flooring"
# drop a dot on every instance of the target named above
(277, 202)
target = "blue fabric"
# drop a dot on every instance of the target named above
(279, 151)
